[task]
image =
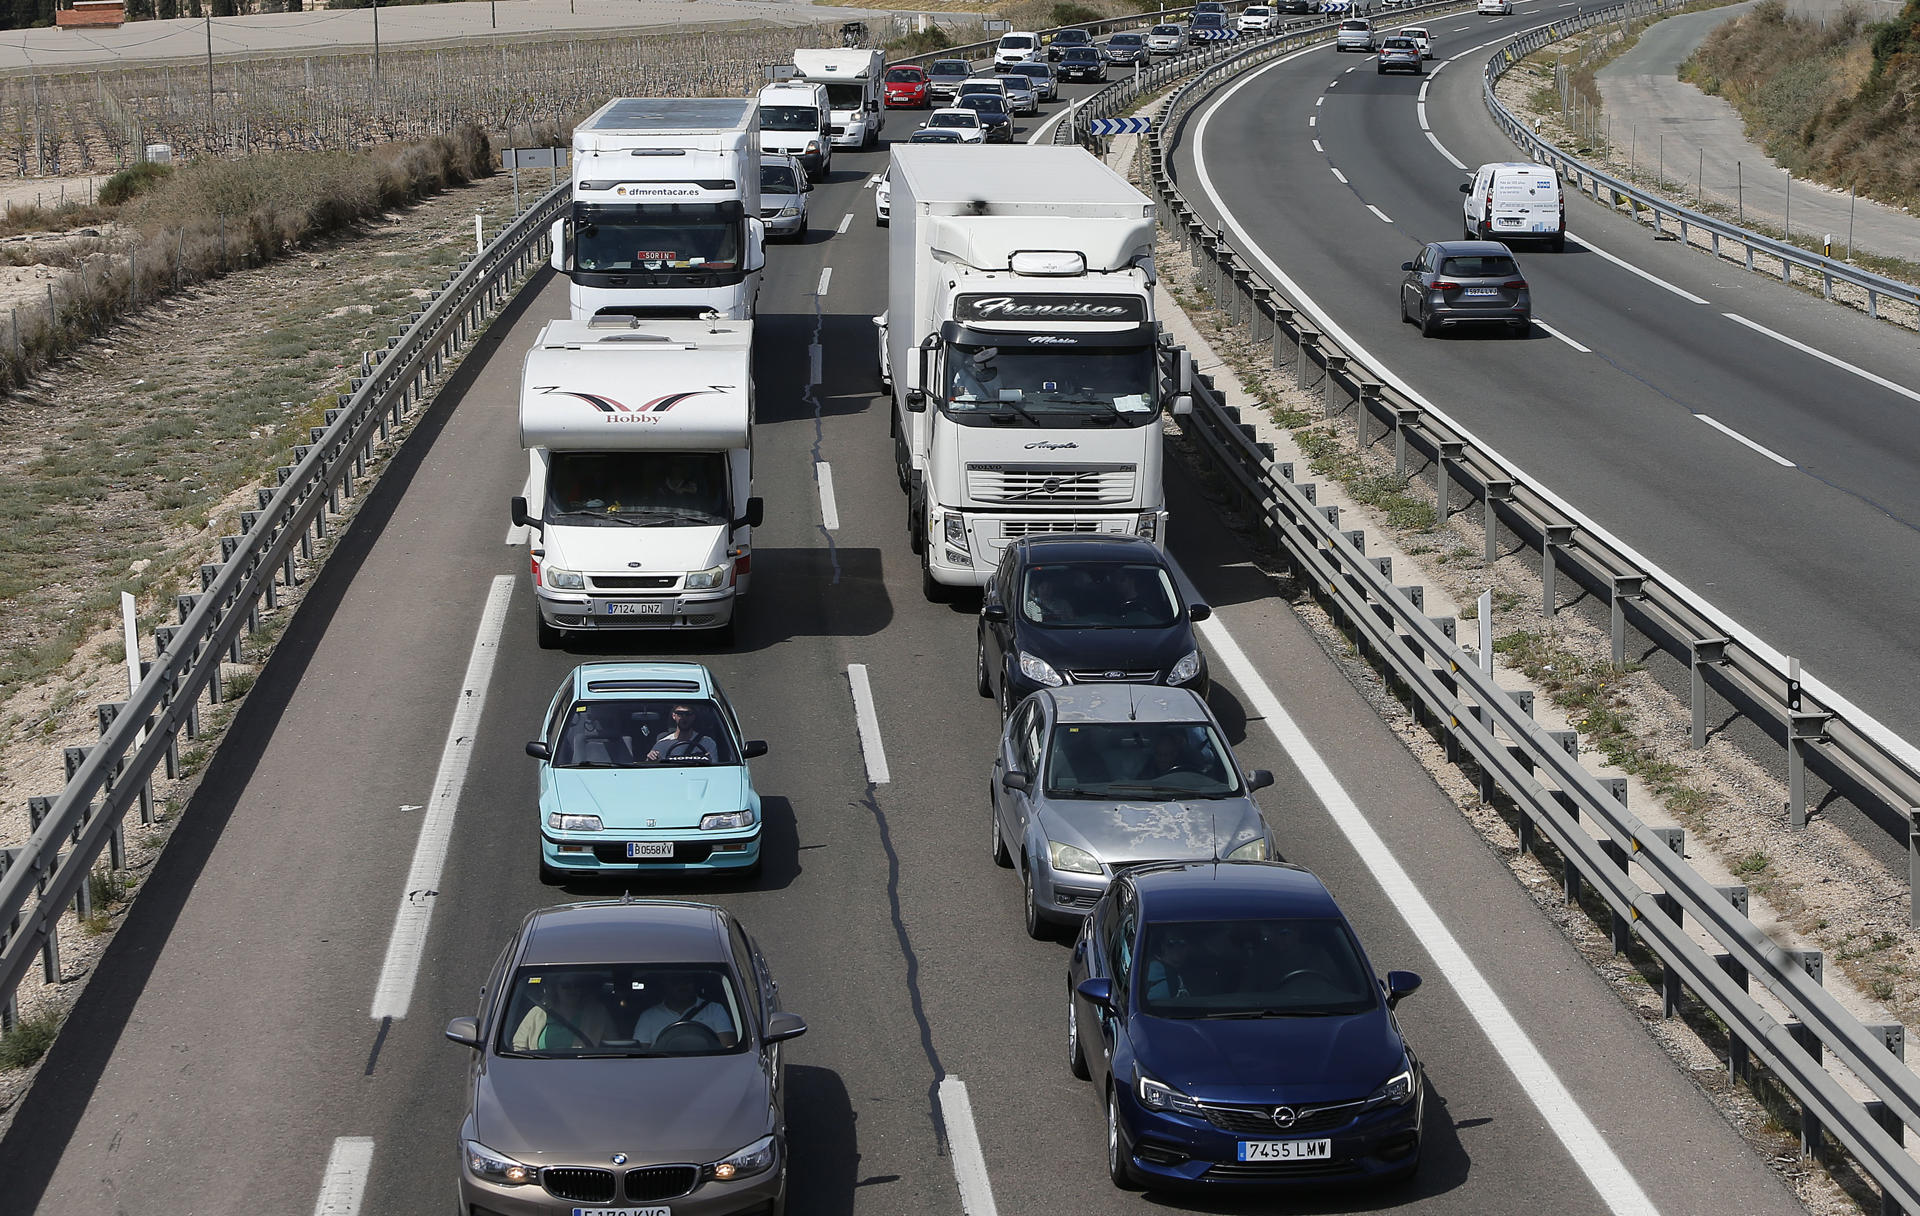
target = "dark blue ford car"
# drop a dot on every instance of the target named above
(1237, 1034)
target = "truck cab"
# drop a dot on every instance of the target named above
(638, 499)
(793, 121)
(855, 80)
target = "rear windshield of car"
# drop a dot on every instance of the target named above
(1210, 21)
(953, 120)
(1069, 37)
(1148, 761)
(1479, 267)
(1350, 26)
(951, 67)
(1080, 54)
(903, 74)
(1166, 29)
(1038, 71)
(1239, 968)
(643, 733)
(1400, 44)
(621, 1011)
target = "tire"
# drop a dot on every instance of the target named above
(981, 679)
(1119, 1170)
(916, 529)
(1006, 698)
(549, 875)
(1379, 71)
(548, 637)
(1001, 857)
(1038, 927)
(1559, 243)
(1428, 326)
(1076, 1055)
(1405, 317)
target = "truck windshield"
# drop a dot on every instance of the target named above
(638, 489)
(657, 238)
(846, 96)
(1050, 385)
(789, 118)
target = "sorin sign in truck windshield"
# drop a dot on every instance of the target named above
(1022, 348)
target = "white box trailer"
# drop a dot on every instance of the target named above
(856, 86)
(665, 219)
(1021, 345)
(639, 440)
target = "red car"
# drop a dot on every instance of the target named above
(906, 88)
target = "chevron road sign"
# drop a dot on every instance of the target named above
(1118, 126)
(1216, 35)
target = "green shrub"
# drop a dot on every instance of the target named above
(922, 42)
(1068, 13)
(28, 1040)
(132, 182)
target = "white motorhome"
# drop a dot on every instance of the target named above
(856, 91)
(666, 209)
(639, 439)
(794, 121)
(1022, 349)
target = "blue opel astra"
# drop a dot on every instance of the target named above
(1237, 1034)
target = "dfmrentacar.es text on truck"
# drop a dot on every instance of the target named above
(856, 86)
(639, 438)
(1021, 345)
(666, 209)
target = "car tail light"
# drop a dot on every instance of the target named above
(1515, 284)
(1444, 285)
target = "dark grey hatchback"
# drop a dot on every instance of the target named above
(1465, 283)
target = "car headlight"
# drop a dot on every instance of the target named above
(1186, 669)
(563, 580)
(708, 579)
(573, 823)
(1070, 860)
(789, 212)
(1039, 671)
(813, 147)
(756, 1158)
(727, 821)
(957, 530)
(1156, 1096)
(483, 1162)
(1252, 850)
(1396, 1090)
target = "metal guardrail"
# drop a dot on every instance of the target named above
(39, 880)
(1538, 768)
(1613, 192)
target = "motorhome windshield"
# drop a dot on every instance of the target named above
(637, 489)
(1050, 385)
(845, 96)
(657, 238)
(789, 118)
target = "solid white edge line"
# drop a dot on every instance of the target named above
(408, 944)
(345, 1180)
(1556, 333)
(826, 276)
(1823, 356)
(868, 721)
(829, 509)
(1380, 213)
(1340, 175)
(1453, 160)
(845, 222)
(1738, 438)
(1420, 112)
(1630, 268)
(963, 1140)
(1610, 1177)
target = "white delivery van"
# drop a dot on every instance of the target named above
(855, 83)
(794, 120)
(1017, 47)
(639, 439)
(1513, 200)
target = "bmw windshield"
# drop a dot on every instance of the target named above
(1049, 385)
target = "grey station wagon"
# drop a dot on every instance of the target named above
(1465, 283)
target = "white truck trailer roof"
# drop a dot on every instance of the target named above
(670, 116)
(1017, 179)
(840, 64)
(665, 385)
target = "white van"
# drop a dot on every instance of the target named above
(1017, 47)
(794, 121)
(1514, 200)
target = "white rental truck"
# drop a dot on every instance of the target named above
(665, 219)
(639, 439)
(1022, 349)
(856, 85)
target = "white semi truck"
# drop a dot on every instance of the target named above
(856, 89)
(665, 219)
(638, 500)
(1022, 350)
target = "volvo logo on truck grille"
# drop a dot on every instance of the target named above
(1049, 308)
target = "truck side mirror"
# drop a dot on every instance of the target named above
(523, 520)
(1183, 376)
(916, 401)
(558, 237)
(1182, 405)
(756, 512)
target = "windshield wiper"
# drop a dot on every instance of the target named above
(994, 410)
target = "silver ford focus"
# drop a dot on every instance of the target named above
(626, 1060)
(1093, 778)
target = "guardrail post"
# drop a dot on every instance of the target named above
(1336, 366)
(1237, 279)
(1308, 339)
(1284, 328)
(1495, 493)
(1448, 453)
(1625, 587)
(1362, 412)
(1556, 538)
(1810, 1126)
(1404, 418)
(1913, 867)
(1702, 653)
(1803, 730)
(1737, 1055)
(1619, 927)
(1262, 297)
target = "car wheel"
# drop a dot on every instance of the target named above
(981, 679)
(916, 534)
(1037, 925)
(1001, 857)
(1118, 1168)
(1405, 317)
(1560, 243)
(549, 637)
(1076, 1059)
(1428, 326)
(550, 876)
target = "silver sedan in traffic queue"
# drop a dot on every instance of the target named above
(1092, 778)
(626, 1058)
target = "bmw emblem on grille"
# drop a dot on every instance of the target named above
(1283, 1116)
(619, 1158)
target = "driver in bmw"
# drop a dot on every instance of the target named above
(681, 1001)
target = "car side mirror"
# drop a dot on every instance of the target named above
(465, 1031)
(1466, 187)
(539, 750)
(1259, 779)
(1099, 991)
(1400, 984)
(994, 612)
(1017, 782)
(523, 519)
(1198, 612)
(1406, 265)
(754, 749)
(755, 514)
(783, 1026)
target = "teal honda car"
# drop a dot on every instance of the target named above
(643, 769)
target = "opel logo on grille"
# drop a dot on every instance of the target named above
(1283, 1116)
(619, 1158)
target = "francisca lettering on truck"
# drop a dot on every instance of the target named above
(1046, 308)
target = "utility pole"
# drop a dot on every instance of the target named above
(209, 78)
(376, 60)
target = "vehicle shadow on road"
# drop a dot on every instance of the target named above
(779, 867)
(822, 1143)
